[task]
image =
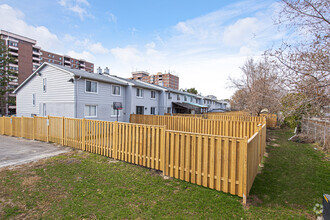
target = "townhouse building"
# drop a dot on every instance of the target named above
(28, 57)
(57, 90)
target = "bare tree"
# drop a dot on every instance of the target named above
(305, 62)
(259, 87)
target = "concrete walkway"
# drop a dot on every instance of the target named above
(15, 151)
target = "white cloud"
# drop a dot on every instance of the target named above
(128, 55)
(87, 44)
(83, 55)
(12, 20)
(97, 48)
(76, 6)
(111, 17)
(242, 31)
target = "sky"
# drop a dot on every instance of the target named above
(202, 42)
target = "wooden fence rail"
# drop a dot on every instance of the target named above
(270, 119)
(227, 164)
(230, 128)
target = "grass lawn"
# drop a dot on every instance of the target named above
(80, 185)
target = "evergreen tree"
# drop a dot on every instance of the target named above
(6, 75)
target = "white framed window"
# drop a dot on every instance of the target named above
(139, 93)
(169, 96)
(33, 99)
(90, 86)
(153, 110)
(178, 97)
(91, 111)
(153, 94)
(44, 85)
(169, 110)
(115, 90)
(185, 98)
(44, 112)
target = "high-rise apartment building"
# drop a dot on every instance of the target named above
(28, 57)
(163, 79)
(65, 60)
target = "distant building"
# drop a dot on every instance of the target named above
(65, 60)
(28, 57)
(57, 90)
(167, 80)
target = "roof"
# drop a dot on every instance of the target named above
(189, 105)
(78, 73)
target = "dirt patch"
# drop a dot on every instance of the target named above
(110, 160)
(30, 181)
(302, 138)
(275, 145)
(252, 200)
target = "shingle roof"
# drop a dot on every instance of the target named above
(93, 76)
(79, 73)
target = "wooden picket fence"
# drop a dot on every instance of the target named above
(227, 164)
(270, 119)
(232, 128)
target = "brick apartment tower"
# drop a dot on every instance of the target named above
(28, 57)
(167, 79)
(65, 60)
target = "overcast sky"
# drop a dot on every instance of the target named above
(202, 41)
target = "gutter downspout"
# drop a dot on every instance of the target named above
(76, 96)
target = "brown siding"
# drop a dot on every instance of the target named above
(24, 61)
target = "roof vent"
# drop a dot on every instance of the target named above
(106, 71)
(99, 70)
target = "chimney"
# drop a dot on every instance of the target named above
(106, 71)
(99, 71)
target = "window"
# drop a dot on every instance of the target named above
(44, 112)
(115, 90)
(178, 97)
(60, 63)
(41, 58)
(52, 56)
(90, 111)
(153, 94)
(139, 110)
(44, 84)
(48, 55)
(169, 110)
(153, 110)
(91, 86)
(191, 99)
(34, 99)
(60, 58)
(185, 98)
(169, 95)
(139, 93)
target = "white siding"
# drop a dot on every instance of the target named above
(146, 101)
(59, 95)
(103, 100)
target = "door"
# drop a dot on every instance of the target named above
(139, 110)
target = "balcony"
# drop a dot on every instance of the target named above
(36, 53)
(12, 47)
(67, 62)
(36, 59)
(15, 54)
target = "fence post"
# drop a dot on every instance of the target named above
(62, 131)
(12, 127)
(245, 170)
(47, 123)
(83, 134)
(22, 126)
(3, 123)
(162, 147)
(33, 128)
